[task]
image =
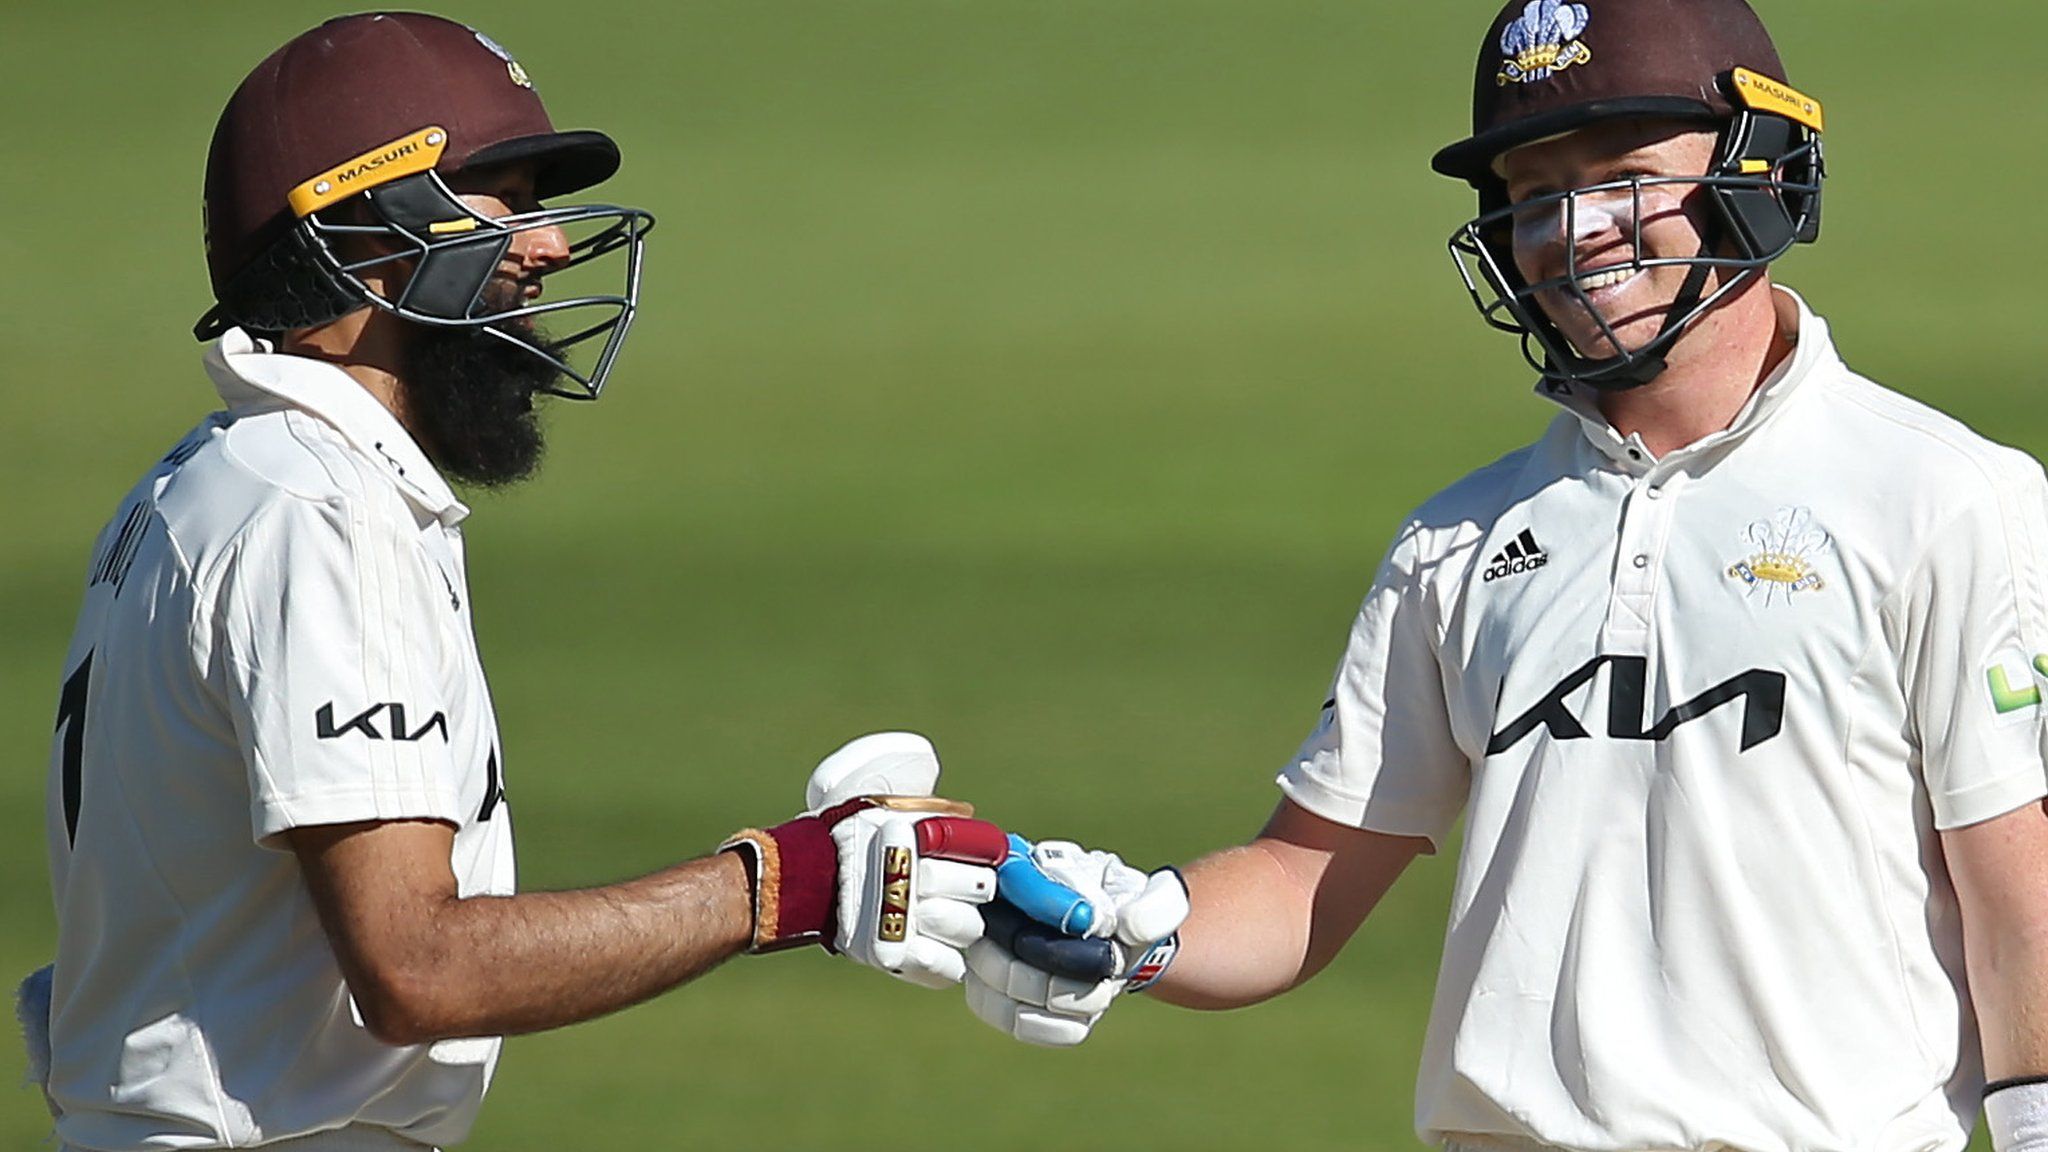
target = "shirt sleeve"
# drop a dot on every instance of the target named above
(338, 668)
(1972, 622)
(1383, 757)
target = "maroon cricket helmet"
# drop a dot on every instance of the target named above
(357, 84)
(328, 167)
(1548, 67)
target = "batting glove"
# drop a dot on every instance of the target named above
(877, 868)
(1049, 988)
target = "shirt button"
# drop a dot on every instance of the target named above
(1641, 561)
(1635, 454)
(1653, 492)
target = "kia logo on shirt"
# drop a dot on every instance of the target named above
(364, 723)
(1762, 693)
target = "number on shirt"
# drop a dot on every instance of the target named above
(71, 722)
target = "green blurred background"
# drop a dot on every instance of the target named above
(1046, 376)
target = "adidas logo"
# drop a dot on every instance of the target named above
(1521, 555)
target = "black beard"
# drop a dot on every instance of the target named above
(469, 400)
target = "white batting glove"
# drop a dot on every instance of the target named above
(1138, 913)
(877, 869)
(950, 879)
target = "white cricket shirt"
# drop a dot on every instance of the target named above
(1704, 715)
(275, 634)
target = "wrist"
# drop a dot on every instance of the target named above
(1152, 964)
(2016, 1112)
(792, 873)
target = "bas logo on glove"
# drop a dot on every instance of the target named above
(878, 869)
(895, 894)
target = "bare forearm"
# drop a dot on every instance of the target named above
(1275, 912)
(1998, 868)
(2009, 990)
(1247, 937)
(494, 965)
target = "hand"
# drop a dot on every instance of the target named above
(877, 868)
(1048, 988)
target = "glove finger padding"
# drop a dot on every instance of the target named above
(1156, 910)
(1125, 901)
(1080, 998)
(954, 923)
(949, 879)
(1000, 969)
(1022, 1021)
(880, 914)
(1044, 947)
(1053, 883)
(931, 963)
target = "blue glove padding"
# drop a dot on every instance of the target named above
(1025, 885)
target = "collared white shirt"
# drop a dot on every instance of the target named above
(275, 634)
(1704, 716)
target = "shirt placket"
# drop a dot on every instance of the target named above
(1643, 530)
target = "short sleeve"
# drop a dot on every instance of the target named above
(1972, 627)
(1383, 757)
(338, 674)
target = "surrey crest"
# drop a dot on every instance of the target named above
(1544, 39)
(1788, 548)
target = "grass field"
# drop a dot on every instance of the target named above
(1046, 376)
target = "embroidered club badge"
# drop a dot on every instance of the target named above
(513, 70)
(1544, 39)
(1788, 547)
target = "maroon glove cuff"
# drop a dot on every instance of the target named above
(794, 870)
